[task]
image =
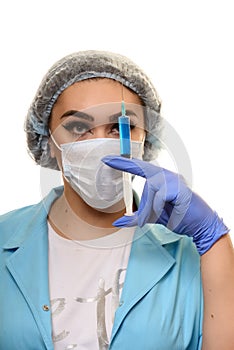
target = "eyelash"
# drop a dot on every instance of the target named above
(74, 126)
(116, 125)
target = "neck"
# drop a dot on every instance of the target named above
(72, 218)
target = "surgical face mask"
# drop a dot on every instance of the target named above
(99, 185)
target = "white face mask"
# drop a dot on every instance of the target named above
(99, 185)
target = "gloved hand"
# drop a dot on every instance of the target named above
(167, 200)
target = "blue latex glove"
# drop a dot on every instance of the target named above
(167, 200)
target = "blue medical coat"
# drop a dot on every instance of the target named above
(161, 302)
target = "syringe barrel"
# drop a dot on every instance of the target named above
(125, 136)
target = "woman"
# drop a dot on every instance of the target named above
(79, 273)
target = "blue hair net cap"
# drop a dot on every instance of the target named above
(80, 66)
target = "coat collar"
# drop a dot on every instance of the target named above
(39, 214)
(34, 221)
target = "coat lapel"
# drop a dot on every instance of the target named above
(148, 263)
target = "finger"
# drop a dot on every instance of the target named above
(145, 211)
(159, 205)
(134, 166)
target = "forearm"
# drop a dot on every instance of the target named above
(217, 266)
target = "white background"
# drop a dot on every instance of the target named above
(186, 47)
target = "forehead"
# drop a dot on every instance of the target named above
(91, 92)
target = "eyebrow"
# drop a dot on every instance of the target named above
(77, 114)
(86, 116)
(128, 112)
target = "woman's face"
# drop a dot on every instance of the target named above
(90, 109)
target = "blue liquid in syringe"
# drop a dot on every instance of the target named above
(125, 136)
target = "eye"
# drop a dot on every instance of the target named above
(77, 128)
(115, 128)
(132, 126)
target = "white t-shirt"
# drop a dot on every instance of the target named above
(86, 279)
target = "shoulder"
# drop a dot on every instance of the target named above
(14, 214)
(18, 214)
(180, 247)
(22, 220)
(168, 238)
(10, 221)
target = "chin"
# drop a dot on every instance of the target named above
(118, 207)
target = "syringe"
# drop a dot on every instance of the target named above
(125, 151)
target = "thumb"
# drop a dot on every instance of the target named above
(126, 221)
